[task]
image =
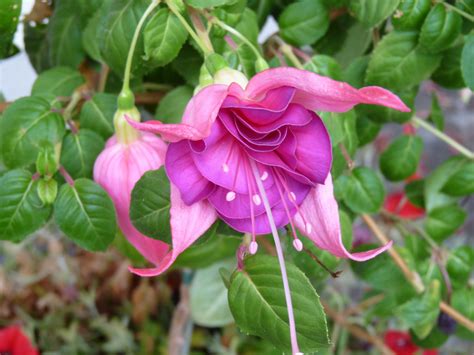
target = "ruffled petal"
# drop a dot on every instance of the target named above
(198, 117)
(320, 211)
(317, 92)
(188, 223)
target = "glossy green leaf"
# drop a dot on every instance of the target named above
(258, 290)
(372, 12)
(79, 152)
(304, 22)
(460, 265)
(467, 61)
(462, 182)
(248, 26)
(24, 126)
(90, 40)
(37, 45)
(150, 205)
(440, 29)
(354, 74)
(400, 159)
(411, 14)
(421, 313)
(164, 35)
(97, 114)
(85, 214)
(22, 211)
(172, 105)
(444, 220)
(209, 305)
(65, 35)
(188, 64)
(9, 14)
(364, 191)
(206, 4)
(59, 81)
(449, 73)
(367, 130)
(409, 64)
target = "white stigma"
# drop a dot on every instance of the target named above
(253, 247)
(225, 168)
(230, 196)
(309, 228)
(297, 244)
(257, 200)
(264, 176)
(292, 196)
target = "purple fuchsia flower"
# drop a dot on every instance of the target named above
(257, 155)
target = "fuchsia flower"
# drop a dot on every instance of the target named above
(259, 156)
(14, 342)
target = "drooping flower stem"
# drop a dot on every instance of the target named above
(126, 95)
(281, 260)
(460, 148)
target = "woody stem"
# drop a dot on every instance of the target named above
(281, 260)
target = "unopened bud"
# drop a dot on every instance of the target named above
(228, 76)
(46, 162)
(205, 79)
(261, 65)
(215, 62)
(125, 133)
(47, 191)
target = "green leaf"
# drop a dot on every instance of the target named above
(150, 205)
(90, 42)
(409, 65)
(354, 74)
(372, 12)
(164, 35)
(36, 45)
(172, 105)
(247, 26)
(188, 64)
(59, 81)
(65, 35)
(79, 151)
(415, 192)
(400, 159)
(22, 211)
(9, 14)
(324, 65)
(258, 290)
(467, 61)
(421, 313)
(444, 220)
(24, 126)
(364, 191)
(434, 340)
(440, 29)
(462, 182)
(209, 305)
(449, 73)
(86, 214)
(436, 115)
(206, 4)
(411, 14)
(367, 130)
(463, 302)
(98, 114)
(120, 20)
(304, 22)
(460, 265)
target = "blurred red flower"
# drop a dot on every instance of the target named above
(401, 344)
(398, 204)
(14, 342)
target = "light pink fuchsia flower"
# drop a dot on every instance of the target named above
(257, 155)
(126, 157)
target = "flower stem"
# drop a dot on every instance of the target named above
(460, 148)
(288, 51)
(133, 45)
(281, 260)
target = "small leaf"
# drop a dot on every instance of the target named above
(26, 124)
(79, 151)
(372, 12)
(367, 130)
(257, 302)
(209, 305)
(98, 114)
(59, 81)
(164, 35)
(467, 61)
(415, 192)
(449, 73)
(364, 191)
(411, 14)
(463, 302)
(421, 313)
(460, 265)
(462, 182)
(22, 211)
(436, 115)
(86, 214)
(9, 14)
(172, 105)
(409, 65)
(207, 4)
(304, 22)
(440, 29)
(400, 160)
(444, 220)
(150, 205)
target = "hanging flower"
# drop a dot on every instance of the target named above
(401, 344)
(14, 342)
(127, 156)
(240, 153)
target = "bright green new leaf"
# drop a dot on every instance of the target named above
(460, 265)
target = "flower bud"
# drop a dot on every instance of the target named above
(215, 62)
(125, 133)
(228, 76)
(46, 162)
(47, 191)
(261, 65)
(205, 78)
